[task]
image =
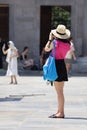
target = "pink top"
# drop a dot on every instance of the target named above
(61, 49)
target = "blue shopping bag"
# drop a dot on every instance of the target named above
(49, 69)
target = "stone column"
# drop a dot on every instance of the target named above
(84, 28)
(25, 30)
(77, 25)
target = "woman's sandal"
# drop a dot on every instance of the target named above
(55, 116)
(11, 83)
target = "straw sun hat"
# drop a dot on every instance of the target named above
(61, 32)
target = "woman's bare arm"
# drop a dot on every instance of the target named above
(3, 50)
(49, 46)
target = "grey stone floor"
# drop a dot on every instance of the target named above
(26, 106)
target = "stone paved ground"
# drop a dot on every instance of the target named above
(26, 106)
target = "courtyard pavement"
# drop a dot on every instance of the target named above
(27, 105)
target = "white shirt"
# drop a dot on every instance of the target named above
(70, 52)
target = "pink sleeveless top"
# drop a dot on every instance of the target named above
(61, 49)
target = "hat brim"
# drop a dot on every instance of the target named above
(65, 36)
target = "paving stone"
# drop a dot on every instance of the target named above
(27, 105)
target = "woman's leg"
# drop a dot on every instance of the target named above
(60, 98)
(68, 65)
(11, 80)
(15, 79)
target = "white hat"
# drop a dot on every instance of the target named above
(61, 32)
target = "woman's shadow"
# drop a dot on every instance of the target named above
(76, 118)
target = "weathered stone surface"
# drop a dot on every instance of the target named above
(24, 23)
(37, 101)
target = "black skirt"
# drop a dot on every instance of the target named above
(61, 70)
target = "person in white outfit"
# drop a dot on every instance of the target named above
(70, 56)
(11, 59)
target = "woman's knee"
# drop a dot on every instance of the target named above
(59, 87)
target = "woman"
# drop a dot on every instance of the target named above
(24, 53)
(62, 46)
(70, 56)
(12, 55)
(27, 62)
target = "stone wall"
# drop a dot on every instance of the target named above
(24, 23)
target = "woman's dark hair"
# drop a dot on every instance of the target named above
(64, 40)
(70, 38)
(25, 48)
